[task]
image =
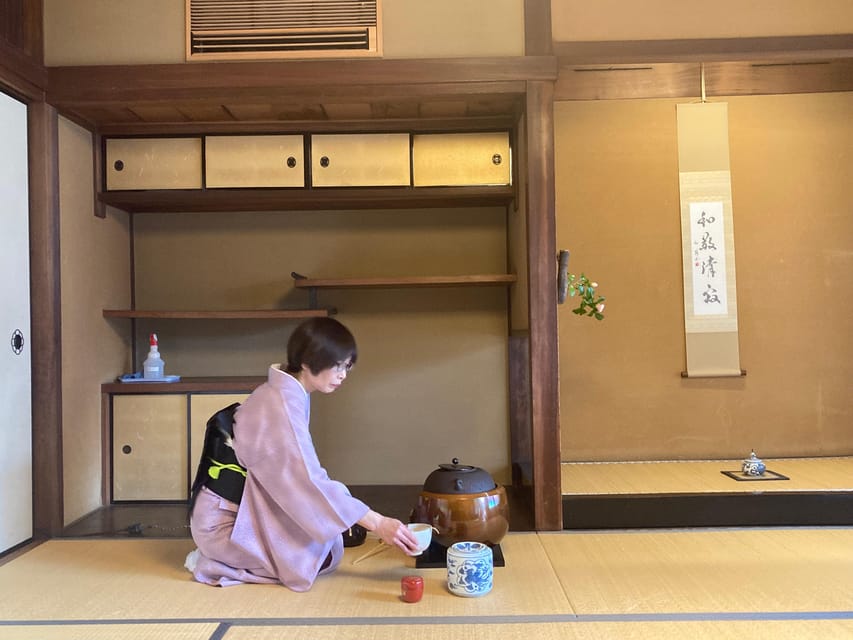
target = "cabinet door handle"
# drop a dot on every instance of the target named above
(126, 449)
(291, 162)
(497, 159)
(324, 161)
(119, 165)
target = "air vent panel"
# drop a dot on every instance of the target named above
(271, 29)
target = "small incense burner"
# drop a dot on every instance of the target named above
(753, 465)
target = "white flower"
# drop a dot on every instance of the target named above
(600, 307)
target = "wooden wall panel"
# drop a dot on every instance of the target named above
(622, 397)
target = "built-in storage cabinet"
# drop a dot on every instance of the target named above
(149, 447)
(360, 160)
(240, 169)
(254, 161)
(459, 159)
(152, 163)
(157, 433)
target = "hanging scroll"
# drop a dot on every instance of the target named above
(707, 232)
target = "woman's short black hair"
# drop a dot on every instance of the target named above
(320, 343)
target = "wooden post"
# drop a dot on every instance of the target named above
(46, 323)
(542, 273)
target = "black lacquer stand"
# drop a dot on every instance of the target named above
(435, 557)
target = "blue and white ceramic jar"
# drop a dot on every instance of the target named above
(470, 569)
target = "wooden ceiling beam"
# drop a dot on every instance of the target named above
(285, 94)
(781, 48)
(684, 80)
(300, 126)
(168, 82)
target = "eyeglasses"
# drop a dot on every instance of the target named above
(341, 367)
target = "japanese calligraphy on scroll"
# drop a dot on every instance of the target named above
(707, 244)
(707, 230)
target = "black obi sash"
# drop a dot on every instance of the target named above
(218, 469)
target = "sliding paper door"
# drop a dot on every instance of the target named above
(16, 479)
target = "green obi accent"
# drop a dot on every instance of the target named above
(216, 467)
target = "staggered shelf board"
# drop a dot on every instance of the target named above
(252, 314)
(299, 199)
(219, 384)
(490, 280)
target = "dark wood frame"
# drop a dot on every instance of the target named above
(666, 510)
(46, 324)
(518, 78)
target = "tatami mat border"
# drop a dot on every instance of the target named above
(699, 616)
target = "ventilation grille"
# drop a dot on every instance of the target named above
(238, 29)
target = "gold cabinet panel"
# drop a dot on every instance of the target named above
(153, 163)
(461, 159)
(360, 160)
(202, 406)
(254, 161)
(150, 447)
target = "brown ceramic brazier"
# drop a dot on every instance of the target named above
(463, 503)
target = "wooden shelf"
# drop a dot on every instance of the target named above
(491, 280)
(257, 314)
(222, 384)
(300, 199)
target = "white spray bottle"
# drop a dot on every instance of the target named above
(153, 366)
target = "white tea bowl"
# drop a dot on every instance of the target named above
(423, 533)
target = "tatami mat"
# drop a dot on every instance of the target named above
(712, 570)
(796, 630)
(709, 583)
(145, 579)
(703, 476)
(124, 631)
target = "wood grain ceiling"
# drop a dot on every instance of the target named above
(404, 94)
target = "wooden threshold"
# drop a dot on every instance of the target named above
(641, 511)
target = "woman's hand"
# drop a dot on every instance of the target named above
(391, 531)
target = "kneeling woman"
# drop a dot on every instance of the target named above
(287, 526)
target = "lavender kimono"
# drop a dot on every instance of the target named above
(290, 519)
